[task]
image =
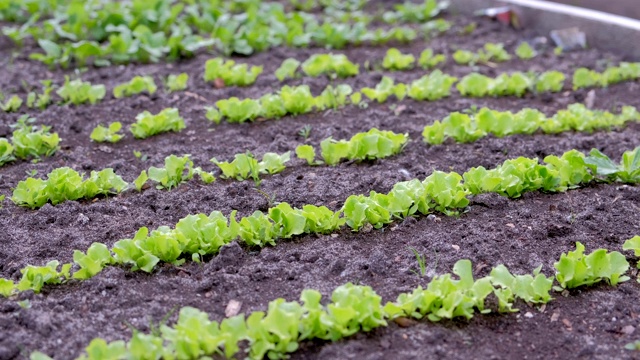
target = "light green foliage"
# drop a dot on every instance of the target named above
(530, 288)
(576, 269)
(333, 97)
(12, 104)
(332, 65)
(584, 78)
(147, 124)
(633, 244)
(373, 144)
(30, 142)
(517, 176)
(7, 287)
(438, 192)
(414, 12)
(135, 86)
(80, 92)
(107, 134)
(91, 263)
(245, 166)
(176, 170)
(384, 89)
(627, 171)
(395, 60)
(477, 85)
(490, 52)
(236, 110)
(525, 52)
(550, 81)
(98, 349)
(445, 297)
(434, 86)
(64, 184)
(6, 151)
(232, 74)
(297, 100)
(35, 277)
(177, 82)
(469, 128)
(306, 152)
(428, 60)
(42, 100)
(287, 69)
(141, 180)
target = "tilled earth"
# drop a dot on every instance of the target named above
(591, 322)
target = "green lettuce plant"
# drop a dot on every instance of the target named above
(147, 124)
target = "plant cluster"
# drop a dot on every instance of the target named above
(289, 100)
(147, 124)
(245, 166)
(135, 32)
(585, 78)
(64, 184)
(576, 269)
(373, 144)
(28, 141)
(395, 60)
(515, 84)
(332, 65)
(471, 127)
(107, 134)
(135, 86)
(80, 92)
(230, 73)
(177, 82)
(489, 53)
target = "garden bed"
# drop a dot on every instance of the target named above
(589, 322)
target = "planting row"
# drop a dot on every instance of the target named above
(64, 184)
(228, 73)
(355, 308)
(200, 235)
(467, 128)
(144, 31)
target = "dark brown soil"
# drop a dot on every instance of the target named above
(519, 233)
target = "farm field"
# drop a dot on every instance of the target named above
(384, 211)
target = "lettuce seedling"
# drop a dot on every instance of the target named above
(91, 263)
(287, 69)
(173, 172)
(434, 86)
(98, 349)
(141, 180)
(465, 57)
(395, 60)
(35, 277)
(575, 269)
(107, 134)
(242, 167)
(7, 287)
(428, 60)
(273, 163)
(333, 98)
(12, 104)
(272, 106)
(297, 100)
(135, 86)
(585, 78)
(308, 153)
(493, 52)
(373, 144)
(384, 89)
(147, 124)
(177, 82)
(525, 52)
(79, 92)
(627, 171)
(29, 141)
(475, 85)
(331, 65)
(129, 251)
(6, 152)
(230, 72)
(550, 81)
(633, 244)
(236, 110)
(530, 288)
